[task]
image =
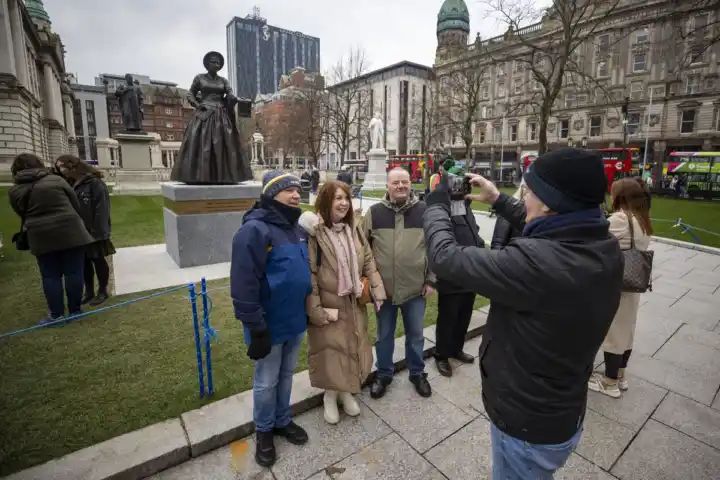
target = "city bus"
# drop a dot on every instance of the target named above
(699, 172)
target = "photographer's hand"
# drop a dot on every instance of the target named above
(489, 193)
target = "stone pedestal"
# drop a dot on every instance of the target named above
(376, 176)
(136, 150)
(201, 220)
(136, 182)
(107, 149)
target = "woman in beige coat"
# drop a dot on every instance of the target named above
(630, 203)
(339, 351)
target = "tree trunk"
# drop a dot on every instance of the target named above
(544, 117)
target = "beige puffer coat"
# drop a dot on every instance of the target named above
(339, 353)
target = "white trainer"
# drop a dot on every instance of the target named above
(596, 384)
(623, 384)
(350, 405)
(332, 416)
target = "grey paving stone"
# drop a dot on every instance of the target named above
(699, 385)
(657, 299)
(661, 453)
(478, 319)
(389, 458)
(716, 403)
(690, 354)
(695, 307)
(431, 367)
(577, 468)
(704, 262)
(429, 333)
(235, 461)
(465, 455)
(422, 422)
(635, 405)
(699, 421)
(703, 277)
(674, 268)
(472, 346)
(328, 443)
(603, 440)
(304, 396)
(663, 286)
(463, 389)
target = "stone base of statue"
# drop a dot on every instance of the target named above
(376, 176)
(136, 182)
(201, 220)
(136, 150)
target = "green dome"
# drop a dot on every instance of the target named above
(453, 15)
(36, 10)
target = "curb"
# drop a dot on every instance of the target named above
(157, 447)
(688, 245)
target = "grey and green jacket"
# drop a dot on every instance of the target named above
(395, 233)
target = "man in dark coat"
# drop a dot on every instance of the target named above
(345, 175)
(554, 293)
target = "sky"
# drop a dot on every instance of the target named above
(166, 39)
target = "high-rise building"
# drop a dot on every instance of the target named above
(259, 54)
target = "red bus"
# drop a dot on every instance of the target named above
(414, 164)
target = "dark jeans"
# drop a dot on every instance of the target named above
(454, 312)
(55, 266)
(100, 267)
(614, 362)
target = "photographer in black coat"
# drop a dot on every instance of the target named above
(554, 293)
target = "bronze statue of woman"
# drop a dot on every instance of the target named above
(210, 153)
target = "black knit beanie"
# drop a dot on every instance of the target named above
(568, 179)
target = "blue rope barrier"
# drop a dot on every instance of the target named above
(198, 348)
(208, 334)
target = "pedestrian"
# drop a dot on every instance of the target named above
(94, 199)
(269, 284)
(630, 203)
(455, 300)
(344, 280)
(393, 227)
(315, 179)
(504, 231)
(554, 292)
(345, 175)
(55, 232)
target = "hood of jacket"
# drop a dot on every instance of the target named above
(412, 200)
(269, 211)
(30, 175)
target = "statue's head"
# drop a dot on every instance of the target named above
(128, 79)
(213, 61)
(377, 115)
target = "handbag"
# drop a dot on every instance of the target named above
(637, 274)
(20, 239)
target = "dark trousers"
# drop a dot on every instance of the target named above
(454, 312)
(614, 362)
(56, 266)
(100, 267)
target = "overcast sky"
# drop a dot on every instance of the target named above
(167, 39)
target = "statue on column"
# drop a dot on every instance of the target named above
(210, 153)
(377, 132)
(131, 99)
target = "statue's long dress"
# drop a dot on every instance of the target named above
(210, 153)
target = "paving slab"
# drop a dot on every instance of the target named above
(422, 422)
(716, 403)
(704, 262)
(694, 419)
(136, 454)
(603, 440)
(328, 444)
(687, 353)
(697, 312)
(703, 277)
(466, 454)
(235, 461)
(463, 389)
(662, 453)
(634, 407)
(389, 458)
(674, 268)
(577, 468)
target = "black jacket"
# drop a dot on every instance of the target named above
(94, 200)
(467, 234)
(503, 233)
(345, 176)
(554, 295)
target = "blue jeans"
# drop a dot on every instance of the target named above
(413, 314)
(54, 266)
(515, 459)
(272, 384)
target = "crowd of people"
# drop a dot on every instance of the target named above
(554, 277)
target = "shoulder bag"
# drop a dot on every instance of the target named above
(637, 275)
(20, 239)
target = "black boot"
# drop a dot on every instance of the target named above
(88, 297)
(379, 385)
(264, 449)
(422, 386)
(294, 433)
(444, 367)
(464, 357)
(101, 297)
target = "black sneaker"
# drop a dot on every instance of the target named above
(422, 386)
(99, 299)
(379, 386)
(294, 433)
(87, 298)
(265, 449)
(444, 367)
(464, 357)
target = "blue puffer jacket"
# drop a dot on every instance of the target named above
(270, 274)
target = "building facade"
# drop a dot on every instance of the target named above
(258, 55)
(36, 102)
(652, 73)
(90, 119)
(401, 94)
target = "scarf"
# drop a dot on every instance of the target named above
(590, 217)
(341, 238)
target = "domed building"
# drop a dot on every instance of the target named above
(453, 26)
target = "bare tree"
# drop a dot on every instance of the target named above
(346, 103)
(307, 116)
(424, 126)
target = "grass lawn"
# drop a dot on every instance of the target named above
(63, 389)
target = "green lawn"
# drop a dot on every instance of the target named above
(63, 389)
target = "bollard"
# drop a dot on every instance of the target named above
(206, 327)
(198, 350)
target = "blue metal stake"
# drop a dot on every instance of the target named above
(198, 350)
(206, 326)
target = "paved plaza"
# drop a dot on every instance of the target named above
(667, 426)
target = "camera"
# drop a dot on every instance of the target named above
(459, 186)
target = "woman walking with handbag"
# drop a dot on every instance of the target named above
(630, 223)
(344, 280)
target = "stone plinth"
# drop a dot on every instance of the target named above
(136, 150)
(376, 176)
(201, 220)
(136, 182)
(107, 150)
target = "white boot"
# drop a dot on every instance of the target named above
(350, 405)
(332, 416)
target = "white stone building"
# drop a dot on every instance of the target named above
(91, 119)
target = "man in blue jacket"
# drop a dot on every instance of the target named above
(269, 281)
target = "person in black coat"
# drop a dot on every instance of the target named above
(554, 293)
(94, 200)
(504, 231)
(345, 175)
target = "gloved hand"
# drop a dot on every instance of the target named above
(441, 194)
(260, 345)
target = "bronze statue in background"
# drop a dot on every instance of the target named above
(210, 153)
(130, 97)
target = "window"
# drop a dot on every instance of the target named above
(582, 99)
(700, 26)
(353, 155)
(658, 92)
(564, 128)
(501, 89)
(517, 66)
(513, 133)
(639, 62)
(518, 87)
(170, 137)
(536, 85)
(633, 123)
(168, 125)
(693, 85)
(485, 92)
(687, 121)
(717, 119)
(642, 36)
(490, 111)
(569, 100)
(636, 90)
(532, 131)
(603, 44)
(595, 125)
(500, 71)
(497, 133)
(602, 68)
(90, 114)
(482, 135)
(169, 111)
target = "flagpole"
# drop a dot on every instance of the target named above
(647, 133)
